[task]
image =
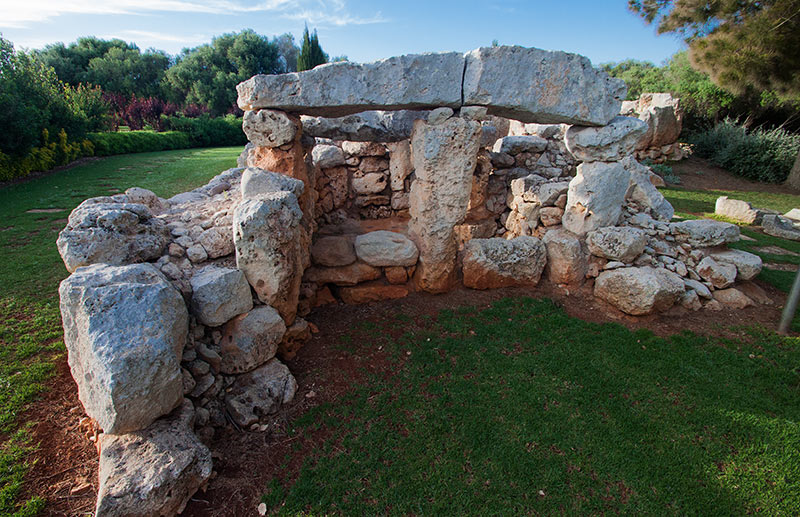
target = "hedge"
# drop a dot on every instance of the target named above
(185, 133)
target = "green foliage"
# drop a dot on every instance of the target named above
(106, 144)
(116, 66)
(311, 53)
(208, 74)
(45, 157)
(759, 154)
(205, 131)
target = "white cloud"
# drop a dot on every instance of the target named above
(21, 14)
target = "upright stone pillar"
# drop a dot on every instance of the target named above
(445, 155)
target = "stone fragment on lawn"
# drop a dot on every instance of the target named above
(704, 233)
(153, 471)
(738, 210)
(219, 294)
(497, 262)
(268, 128)
(566, 258)
(260, 392)
(125, 328)
(748, 265)
(720, 275)
(639, 290)
(607, 143)
(617, 243)
(250, 340)
(384, 248)
(103, 232)
(779, 226)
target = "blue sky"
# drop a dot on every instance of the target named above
(364, 30)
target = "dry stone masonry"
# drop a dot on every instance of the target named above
(361, 183)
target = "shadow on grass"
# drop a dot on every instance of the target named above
(520, 409)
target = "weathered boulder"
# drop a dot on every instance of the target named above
(595, 196)
(344, 88)
(639, 290)
(370, 183)
(219, 294)
(778, 226)
(748, 265)
(250, 340)
(327, 156)
(733, 298)
(333, 251)
(272, 249)
(400, 166)
(257, 182)
(662, 114)
(100, 231)
(145, 197)
(702, 290)
(352, 274)
(704, 233)
(566, 258)
(738, 210)
(269, 128)
(383, 248)
(217, 242)
(260, 392)
(520, 144)
(642, 190)
(548, 193)
(444, 157)
(621, 243)
(124, 328)
(367, 126)
(533, 85)
(607, 143)
(497, 262)
(154, 471)
(720, 275)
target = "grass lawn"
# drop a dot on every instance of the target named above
(30, 270)
(519, 409)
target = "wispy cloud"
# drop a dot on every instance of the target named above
(21, 14)
(157, 37)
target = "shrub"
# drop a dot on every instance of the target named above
(205, 131)
(761, 154)
(106, 144)
(46, 157)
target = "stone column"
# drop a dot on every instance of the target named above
(445, 154)
(597, 193)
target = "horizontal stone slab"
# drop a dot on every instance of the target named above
(337, 89)
(526, 84)
(546, 87)
(368, 126)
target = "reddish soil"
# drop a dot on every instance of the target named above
(245, 462)
(699, 174)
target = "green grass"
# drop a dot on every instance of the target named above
(30, 270)
(519, 409)
(702, 201)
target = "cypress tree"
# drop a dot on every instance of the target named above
(311, 53)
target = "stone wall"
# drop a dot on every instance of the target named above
(179, 312)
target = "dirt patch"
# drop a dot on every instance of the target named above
(780, 267)
(45, 210)
(775, 250)
(325, 368)
(699, 174)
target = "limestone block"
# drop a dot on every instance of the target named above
(566, 258)
(260, 392)
(639, 290)
(595, 196)
(497, 262)
(620, 243)
(219, 294)
(704, 233)
(125, 328)
(608, 143)
(268, 128)
(250, 340)
(383, 248)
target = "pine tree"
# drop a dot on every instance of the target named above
(311, 53)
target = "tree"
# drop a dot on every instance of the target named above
(114, 65)
(311, 53)
(208, 74)
(745, 46)
(288, 50)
